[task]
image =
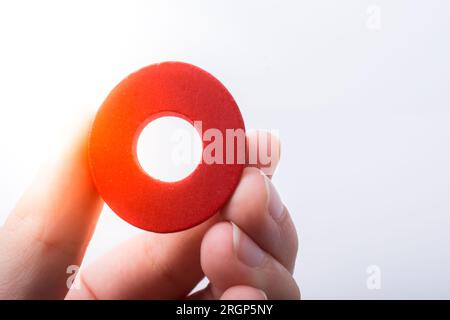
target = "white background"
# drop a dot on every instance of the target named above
(363, 115)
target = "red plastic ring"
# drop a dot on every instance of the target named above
(169, 88)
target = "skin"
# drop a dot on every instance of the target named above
(53, 222)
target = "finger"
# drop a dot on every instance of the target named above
(265, 219)
(149, 266)
(50, 226)
(243, 293)
(246, 264)
(239, 292)
(263, 150)
(163, 266)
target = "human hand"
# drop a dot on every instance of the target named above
(247, 250)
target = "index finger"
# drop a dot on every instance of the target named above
(50, 226)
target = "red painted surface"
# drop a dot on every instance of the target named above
(170, 88)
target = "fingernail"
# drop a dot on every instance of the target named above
(274, 205)
(264, 295)
(246, 250)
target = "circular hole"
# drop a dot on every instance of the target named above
(169, 149)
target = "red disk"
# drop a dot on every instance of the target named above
(169, 88)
